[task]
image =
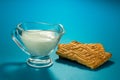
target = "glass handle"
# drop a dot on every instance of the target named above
(62, 29)
(15, 37)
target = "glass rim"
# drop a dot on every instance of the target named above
(43, 23)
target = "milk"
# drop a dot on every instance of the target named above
(38, 42)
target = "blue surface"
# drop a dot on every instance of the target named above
(87, 21)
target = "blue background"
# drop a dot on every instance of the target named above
(87, 21)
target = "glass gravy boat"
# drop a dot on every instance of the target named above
(38, 39)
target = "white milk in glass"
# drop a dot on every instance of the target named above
(39, 42)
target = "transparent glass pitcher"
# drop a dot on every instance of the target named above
(38, 39)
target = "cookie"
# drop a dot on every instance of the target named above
(90, 55)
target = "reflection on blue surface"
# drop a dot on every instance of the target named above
(20, 71)
(87, 21)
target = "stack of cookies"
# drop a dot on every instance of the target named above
(90, 55)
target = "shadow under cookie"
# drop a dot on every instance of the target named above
(81, 66)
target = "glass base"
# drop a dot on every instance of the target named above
(39, 62)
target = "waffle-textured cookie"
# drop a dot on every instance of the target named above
(91, 55)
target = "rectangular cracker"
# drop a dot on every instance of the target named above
(90, 55)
